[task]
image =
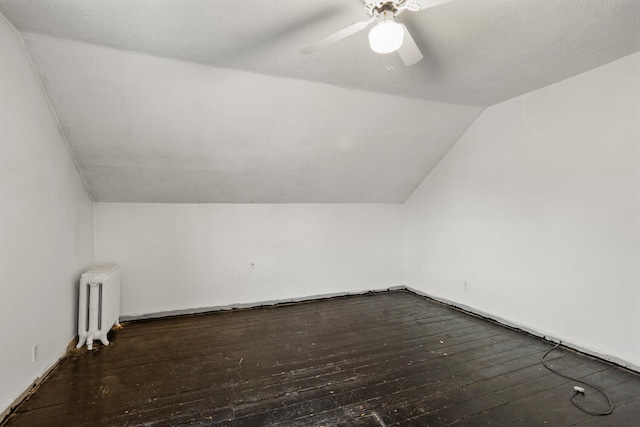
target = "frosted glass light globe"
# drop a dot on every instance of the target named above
(386, 36)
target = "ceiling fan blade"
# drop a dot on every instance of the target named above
(336, 37)
(416, 5)
(409, 52)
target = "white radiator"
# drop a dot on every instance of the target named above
(99, 304)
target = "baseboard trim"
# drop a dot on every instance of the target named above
(4, 415)
(241, 306)
(531, 331)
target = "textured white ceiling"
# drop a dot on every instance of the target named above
(145, 128)
(211, 101)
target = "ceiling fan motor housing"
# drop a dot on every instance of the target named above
(375, 7)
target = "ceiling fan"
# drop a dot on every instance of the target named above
(387, 35)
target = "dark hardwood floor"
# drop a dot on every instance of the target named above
(382, 359)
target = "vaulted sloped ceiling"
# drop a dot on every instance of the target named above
(211, 100)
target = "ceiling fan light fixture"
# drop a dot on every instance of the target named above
(387, 35)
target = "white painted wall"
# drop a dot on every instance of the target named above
(537, 209)
(46, 226)
(181, 256)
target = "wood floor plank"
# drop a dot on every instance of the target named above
(345, 364)
(391, 358)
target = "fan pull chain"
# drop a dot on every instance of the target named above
(385, 63)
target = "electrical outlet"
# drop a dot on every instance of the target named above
(34, 355)
(466, 286)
